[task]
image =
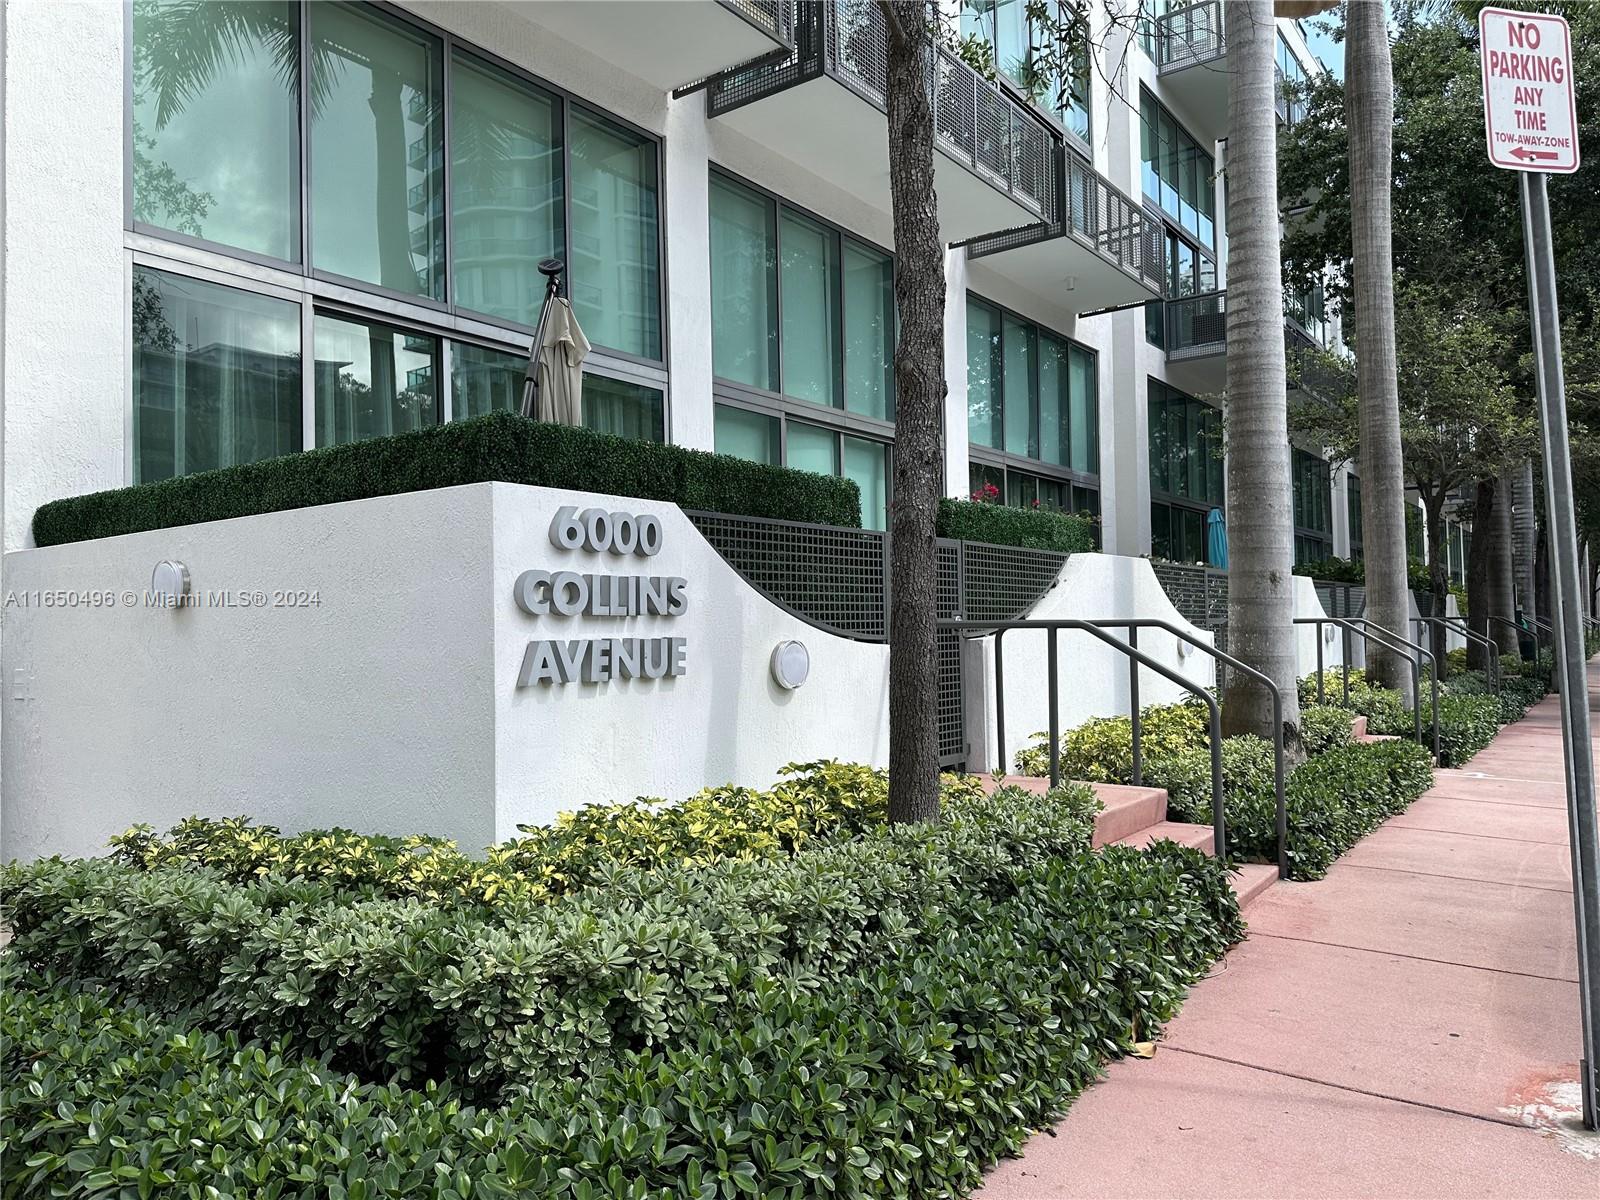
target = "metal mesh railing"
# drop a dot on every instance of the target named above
(952, 720)
(1002, 583)
(1197, 326)
(774, 16)
(1189, 36)
(1099, 216)
(833, 577)
(1200, 594)
(977, 122)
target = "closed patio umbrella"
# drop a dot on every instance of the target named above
(552, 388)
(1216, 539)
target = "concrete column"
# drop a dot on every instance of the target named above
(956, 476)
(688, 253)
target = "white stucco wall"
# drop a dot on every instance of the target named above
(391, 704)
(66, 308)
(1093, 677)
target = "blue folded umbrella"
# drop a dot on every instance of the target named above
(1216, 539)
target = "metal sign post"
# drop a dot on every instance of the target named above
(1531, 128)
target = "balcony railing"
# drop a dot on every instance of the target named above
(978, 123)
(1097, 215)
(1197, 326)
(772, 16)
(1189, 36)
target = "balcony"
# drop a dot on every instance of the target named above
(669, 43)
(1197, 340)
(1102, 251)
(1192, 59)
(823, 106)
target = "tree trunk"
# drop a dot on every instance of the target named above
(919, 400)
(1523, 524)
(1438, 571)
(1480, 560)
(1502, 583)
(1260, 498)
(1369, 115)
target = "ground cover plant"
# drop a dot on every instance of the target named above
(851, 1009)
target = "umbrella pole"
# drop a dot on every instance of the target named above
(551, 269)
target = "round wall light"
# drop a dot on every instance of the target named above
(791, 663)
(170, 581)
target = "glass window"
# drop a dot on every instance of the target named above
(1055, 401)
(812, 448)
(505, 152)
(809, 277)
(372, 380)
(216, 376)
(216, 137)
(614, 283)
(983, 375)
(981, 477)
(1019, 349)
(483, 381)
(1085, 415)
(867, 462)
(630, 410)
(1176, 171)
(746, 434)
(377, 155)
(869, 331)
(744, 286)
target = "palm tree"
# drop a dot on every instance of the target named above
(1260, 533)
(1369, 115)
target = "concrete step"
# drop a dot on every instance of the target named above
(1378, 737)
(1252, 879)
(1124, 809)
(1198, 836)
(1358, 728)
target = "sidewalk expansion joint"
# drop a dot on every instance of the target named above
(1493, 837)
(1442, 962)
(1438, 795)
(1533, 887)
(1345, 1087)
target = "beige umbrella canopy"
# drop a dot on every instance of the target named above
(552, 389)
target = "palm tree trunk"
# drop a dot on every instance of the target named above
(1369, 115)
(1438, 568)
(919, 398)
(1260, 533)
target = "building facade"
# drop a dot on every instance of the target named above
(247, 229)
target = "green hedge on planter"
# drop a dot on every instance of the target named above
(1033, 529)
(501, 448)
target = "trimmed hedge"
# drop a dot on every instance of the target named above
(810, 801)
(1033, 529)
(1101, 749)
(502, 447)
(884, 1016)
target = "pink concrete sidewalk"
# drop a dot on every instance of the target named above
(1395, 1030)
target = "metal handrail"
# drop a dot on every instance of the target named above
(1373, 632)
(1052, 628)
(1278, 771)
(1471, 635)
(1517, 632)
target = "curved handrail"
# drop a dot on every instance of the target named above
(1278, 772)
(1051, 628)
(1472, 635)
(1375, 632)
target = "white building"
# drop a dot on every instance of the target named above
(368, 188)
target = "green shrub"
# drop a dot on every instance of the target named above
(878, 1017)
(1467, 723)
(1323, 727)
(1035, 529)
(1337, 798)
(1456, 661)
(1334, 570)
(810, 800)
(503, 447)
(1101, 749)
(1384, 709)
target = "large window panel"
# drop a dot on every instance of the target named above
(746, 434)
(1085, 413)
(869, 331)
(484, 380)
(1019, 350)
(505, 155)
(812, 448)
(744, 286)
(216, 376)
(1055, 402)
(617, 406)
(867, 462)
(216, 126)
(372, 380)
(809, 277)
(377, 150)
(983, 376)
(615, 266)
